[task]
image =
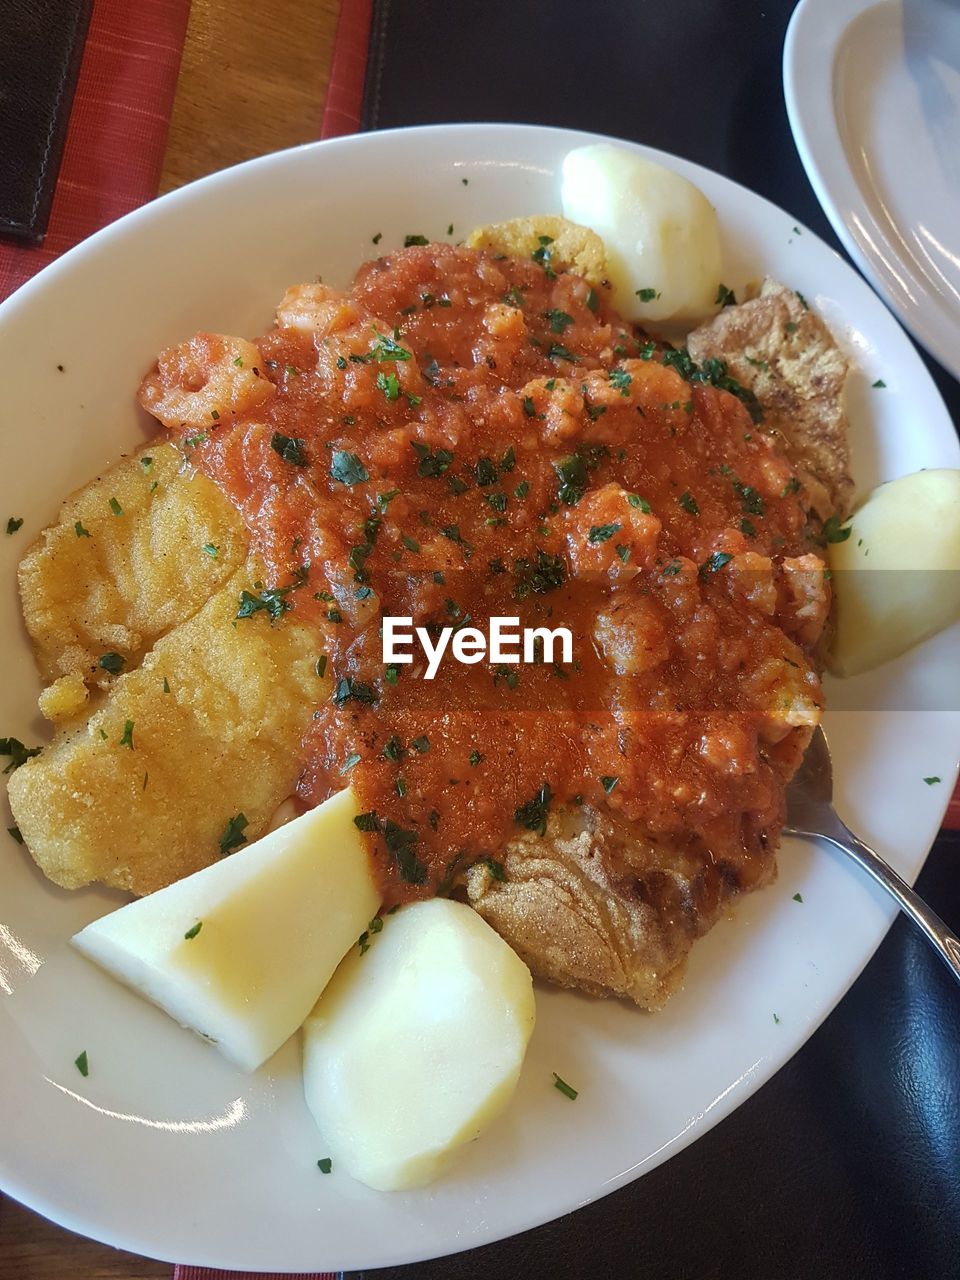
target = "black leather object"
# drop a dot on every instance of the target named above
(41, 42)
(845, 1166)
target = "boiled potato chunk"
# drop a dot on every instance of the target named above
(660, 232)
(416, 1045)
(240, 951)
(897, 576)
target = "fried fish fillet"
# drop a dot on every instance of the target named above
(591, 907)
(133, 554)
(569, 245)
(775, 345)
(208, 727)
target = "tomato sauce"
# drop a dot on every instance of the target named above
(459, 437)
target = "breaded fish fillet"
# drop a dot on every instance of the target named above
(140, 795)
(566, 243)
(775, 345)
(591, 907)
(133, 554)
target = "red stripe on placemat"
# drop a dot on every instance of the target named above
(207, 1273)
(118, 127)
(348, 69)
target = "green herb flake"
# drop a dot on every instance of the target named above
(410, 241)
(348, 689)
(476, 757)
(211, 549)
(127, 739)
(647, 295)
(746, 527)
(716, 562)
(115, 507)
(608, 782)
(15, 832)
(13, 524)
(533, 814)
(82, 1065)
(389, 385)
(290, 448)
(567, 1090)
(834, 532)
(689, 503)
(80, 531)
(798, 897)
(932, 780)
(559, 321)
(192, 933)
(776, 1018)
(602, 533)
(326, 1164)
(725, 297)
(112, 662)
(593, 301)
(421, 745)
(233, 836)
(879, 385)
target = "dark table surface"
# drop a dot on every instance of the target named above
(847, 1163)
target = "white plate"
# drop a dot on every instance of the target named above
(873, 96)
(167, 1150)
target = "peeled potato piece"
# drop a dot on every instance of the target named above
(240, 951)
(416, 1045)
(660, 232)
(897, 576)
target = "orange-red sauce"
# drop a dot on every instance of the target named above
(437, 409)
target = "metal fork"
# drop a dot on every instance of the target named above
(810, 813)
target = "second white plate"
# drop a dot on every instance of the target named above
(873, 96)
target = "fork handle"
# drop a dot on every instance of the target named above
(942, 939)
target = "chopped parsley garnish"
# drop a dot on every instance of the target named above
(689, 503)
(409, 241)
(567, 1090)
(271, 600)
(321, 667)
(647, 295)
(497, 500)
(192, 933)
(495, 868)
(513, 297)
(485, 471)
(790, 328)
(476, 757)
(18, 753)
(798, 897)
(558, 320)
(522, 489)
(127, 739)
(608, 782)
(115, 507)
(326, 1164)
(716, 562)
(13, 524)
(80, 531)
(393, 749)
(529, 408)
(82, 1065)
(351, 762)
(348, 688)
(623, 551)
(559, 352)
(602, 533)
(641, 504)
(803, 302)
(377, 238)
(672, 569)
(547, 574)
(792, 486)
(421, 745)
(384, 499)
(211, 549)
(748, 528)
(593, 300)
(15, 832)
(233, 836)
(879, 384)
(112, 662)
(833, 532)
(752, 501)
(400, 842)
(620, 379)
(432, 462)
(391, 673)
(932, 781)
(533, 814)
(411, 544)
(572, 474)
(725, 297)
(387, 350)
(542, 255)
(290, 449)
(389, 385)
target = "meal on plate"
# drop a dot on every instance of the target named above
(469, 624)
